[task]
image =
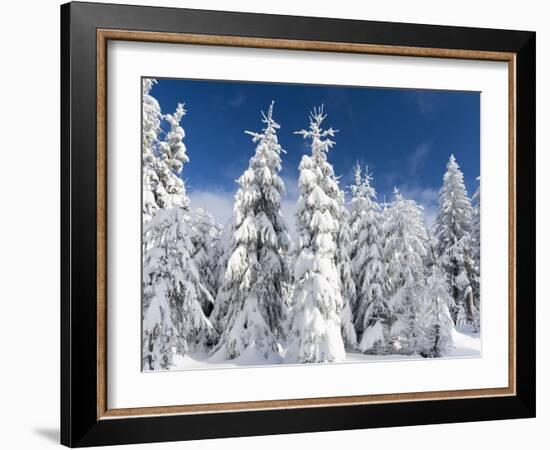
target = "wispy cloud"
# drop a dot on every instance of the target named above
(234, 169)
(425, 197)
(237, 101)
(407, 177)
(341, 98)
(218, 203)
(288, 208)
(406, 169)
(291, 187)
(422, 195)
(425, 101)
(288, 204)
(417, 157)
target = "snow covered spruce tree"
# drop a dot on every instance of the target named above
(251, 293)
(205, 237)
(435, 337)
(356, 207)
(431, 251)
(476, 245)
(315, 328)
(476, 223)
(404, 252)
(173, 154)
(221, 299)
(172, 315)
(162, 159)
(152, 188)
(347, 285)
(173, 318)
(372, 313)
(452, 230)
(343, 238)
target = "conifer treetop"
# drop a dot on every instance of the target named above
(270, 126)
(315, 132)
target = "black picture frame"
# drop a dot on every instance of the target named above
(80, 425)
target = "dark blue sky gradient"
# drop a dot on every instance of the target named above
(404, 135)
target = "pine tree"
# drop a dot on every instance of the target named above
(476, 222)
(205, 237)
(404, 252)
(476, 253)
(173, 319)
(152, 188)
(256, 269)
(162, 159)
(221, 300)
(431, 251)
(160, 334)
(315, 329)
(173, 155)
(372, 313)
(347, 286)
(357, 205)
(454, 245)
(172, 315)
(435, 337)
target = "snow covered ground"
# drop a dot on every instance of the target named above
(466, 345)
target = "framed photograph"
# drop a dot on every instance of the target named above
(276, 224)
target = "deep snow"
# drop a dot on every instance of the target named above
(466, 345)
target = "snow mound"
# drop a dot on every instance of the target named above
(467, 345)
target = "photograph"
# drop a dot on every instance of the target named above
(330, 227)
(296, 223)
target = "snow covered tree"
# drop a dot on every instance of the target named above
(221, 300)
(162, 159)
(173, 320)
(315, 328)
(173, 155)
(372, 313)
(357, 206)
(404, 251)
(152, 189)
(452, 230)
(160, 334)
(435, 337)
(384, 220)
(347, 286)
(205, 237)
(251, 294)
(476, 223)
(431, 251)
(476, 251)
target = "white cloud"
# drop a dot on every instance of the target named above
(427, 198)
(430, 214)
(426, 101)
(417, 157)
(410, 183)
(288, 207)
(291, 187)
(218, 203)
(288, 204)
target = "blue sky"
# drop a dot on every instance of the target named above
(404, 135)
